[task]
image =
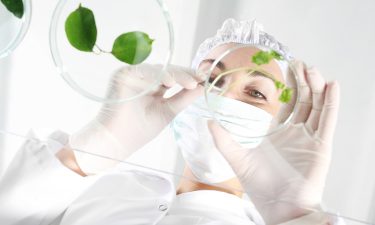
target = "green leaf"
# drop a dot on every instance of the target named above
(286, 95)
(80, 28)
(279, 85)
(14, 6)
(132, 47)
(261, 57)
(276, 55)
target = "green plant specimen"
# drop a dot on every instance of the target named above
(14, 6)
(131, 47)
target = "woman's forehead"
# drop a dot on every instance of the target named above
(241, 57)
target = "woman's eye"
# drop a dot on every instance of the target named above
(219, 83)
(257, 94)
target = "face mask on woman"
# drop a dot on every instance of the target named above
(195, 140)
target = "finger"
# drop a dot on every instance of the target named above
(183, 76)
(168, 80)
(304, 102)
(198, 76)
(127, 81)
(182, 99)
(202, 75)
(317, 85)
(328, 117)
(224, 142)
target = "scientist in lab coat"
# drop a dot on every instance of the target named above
(283, 174)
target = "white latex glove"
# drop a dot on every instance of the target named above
(285, 175)
(120, 129)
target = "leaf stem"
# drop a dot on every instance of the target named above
(101, 50)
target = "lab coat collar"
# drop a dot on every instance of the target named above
(211, 201)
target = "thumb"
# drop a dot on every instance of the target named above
(184, 98)
(230, 149)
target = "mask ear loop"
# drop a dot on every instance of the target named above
(167, 173)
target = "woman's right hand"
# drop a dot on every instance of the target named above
(118, 130)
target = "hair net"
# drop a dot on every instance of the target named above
(243, 32)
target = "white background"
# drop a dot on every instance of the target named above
(337, 36)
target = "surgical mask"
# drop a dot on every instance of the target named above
(197, 144)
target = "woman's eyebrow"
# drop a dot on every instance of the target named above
(260, 74)
(219, 64)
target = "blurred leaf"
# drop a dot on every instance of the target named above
(286, 95)
(264, 57)
(132, 47)
(276, 55)
(279, 85)
(14, 6)
(261, 58)
(80, 28)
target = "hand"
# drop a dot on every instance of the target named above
(285, 175)
(120, 129)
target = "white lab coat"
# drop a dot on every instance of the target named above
(37, 189)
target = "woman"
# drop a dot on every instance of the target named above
(287, 190)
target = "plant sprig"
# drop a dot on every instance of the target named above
(16, 7)
(264, 57)
(131, 47)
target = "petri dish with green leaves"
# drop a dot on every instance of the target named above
(94, 45)
(249, 86)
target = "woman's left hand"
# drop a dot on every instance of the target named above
(285, 175)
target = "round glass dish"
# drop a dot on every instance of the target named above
(13, 29)
(247, 99)
(91, 73)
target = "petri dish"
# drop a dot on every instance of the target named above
(91, 74)
(12, 28)
(242, 95)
